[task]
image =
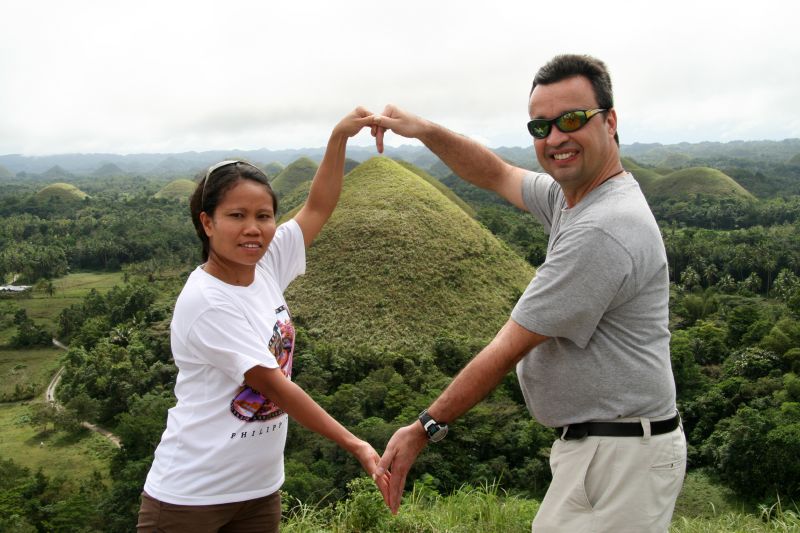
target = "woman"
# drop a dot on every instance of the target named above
(220, 461)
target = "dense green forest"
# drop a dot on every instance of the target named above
(412, 245)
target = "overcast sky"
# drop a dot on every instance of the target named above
(127, 76)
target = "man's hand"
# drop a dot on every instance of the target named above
(399, 121)
(400, 454)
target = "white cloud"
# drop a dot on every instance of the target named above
(150, 75)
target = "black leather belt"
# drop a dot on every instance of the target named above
(617, 429)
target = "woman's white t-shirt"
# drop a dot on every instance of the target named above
(224, 441)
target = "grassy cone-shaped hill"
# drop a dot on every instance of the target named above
(296, 173)
(177, 190)
(697, 181)
(61, 191)
(440, 186)
(399, 264)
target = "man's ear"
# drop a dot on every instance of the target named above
(207, 223)
(611, 120)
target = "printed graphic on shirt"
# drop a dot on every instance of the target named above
(250, 405)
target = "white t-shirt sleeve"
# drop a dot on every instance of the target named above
(223, 337)
(286, 255)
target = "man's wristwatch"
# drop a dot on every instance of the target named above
(433, 429)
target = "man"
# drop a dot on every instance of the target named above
(589, 336)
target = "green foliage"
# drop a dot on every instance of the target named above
(363, 511)
(33, 502)
(755, 452)
(141, 426)
(695, 306)
(741, 319)
(29, 334)
(41, 240)
(33, 261)
(751, 363)
(113, 358)
(689, 380)
(784, 336)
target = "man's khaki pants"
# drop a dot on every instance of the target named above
(613, 484)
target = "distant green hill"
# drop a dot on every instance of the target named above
(176, 190)
(5, 173)
(444, 189)
(56, 172)
(400, 264)
(272, 169)
(299, 171)
(675, 160)
(350, 164)
(645, 176)
(62, 191)
(108, 170)
(696, 181)
(795, 160)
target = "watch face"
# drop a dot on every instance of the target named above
(439, 433)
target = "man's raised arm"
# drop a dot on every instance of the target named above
(468, 159)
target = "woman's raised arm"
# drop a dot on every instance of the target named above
(327, 184)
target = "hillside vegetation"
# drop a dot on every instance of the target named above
(441, 187)
(395, 261)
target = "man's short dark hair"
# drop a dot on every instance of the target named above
(566, 66)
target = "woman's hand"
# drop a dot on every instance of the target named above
(369, 458)
(352, 123)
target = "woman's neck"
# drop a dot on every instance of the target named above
(240, 275)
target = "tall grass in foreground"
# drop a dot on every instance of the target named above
(486, 509)
(771, 520)
(479, 510)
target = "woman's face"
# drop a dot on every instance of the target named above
(242, 226)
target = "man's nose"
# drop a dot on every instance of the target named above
(556, 137)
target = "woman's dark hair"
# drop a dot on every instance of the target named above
(566, 66)
(211, 189)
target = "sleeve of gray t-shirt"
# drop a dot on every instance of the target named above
(542, 196)
(585, 273)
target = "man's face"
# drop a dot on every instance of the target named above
(579, 158)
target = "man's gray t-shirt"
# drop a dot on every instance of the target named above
(602, 294)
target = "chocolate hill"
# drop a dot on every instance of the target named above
(399, 264)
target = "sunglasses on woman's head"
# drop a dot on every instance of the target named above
(217, 166)
(570, 121)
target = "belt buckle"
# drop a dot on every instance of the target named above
(577, 431)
